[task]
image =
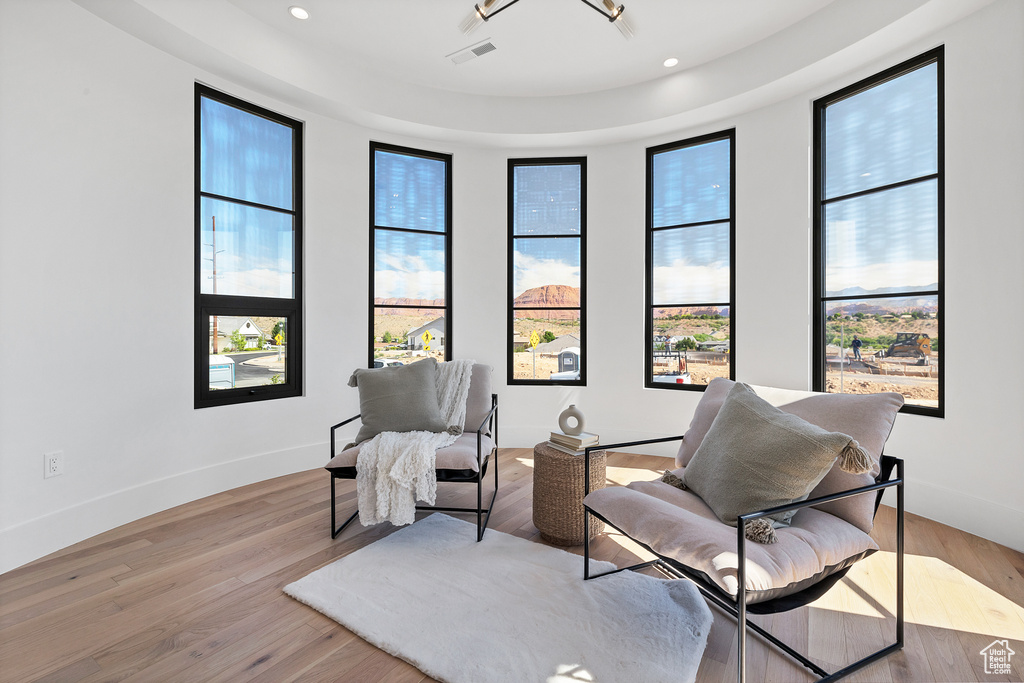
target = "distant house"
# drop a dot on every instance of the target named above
(714, 345)
(559, 344)
(519, 342)
(414, 338)
(227, 325)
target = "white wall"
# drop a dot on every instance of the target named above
(96, 210)
(96, 216)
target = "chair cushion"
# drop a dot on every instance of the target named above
(398, 398)
(679, 525)
(868, 418)
(461, 455)
(756, 456)
(478, 402)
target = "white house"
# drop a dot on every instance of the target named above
(227, 325)
(414, 339)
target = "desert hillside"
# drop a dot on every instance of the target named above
(550, 296)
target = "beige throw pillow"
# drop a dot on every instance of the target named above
(756, 456)
(398, 398)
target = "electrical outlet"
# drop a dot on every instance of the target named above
(53, 464)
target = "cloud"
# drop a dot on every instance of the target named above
(531, 272)
(393, 284)
(410, 276)
(901, 274)
(268, 279)
(682, 283)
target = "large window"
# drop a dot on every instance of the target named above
(878, 236)
(410, 255)
(547, 226)
(248, 251)
(690, 251)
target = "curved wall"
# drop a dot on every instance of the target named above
(96, 279)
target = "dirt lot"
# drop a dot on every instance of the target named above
(522, 365)
(916, 390)
(524, 326)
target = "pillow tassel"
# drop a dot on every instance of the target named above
(672, 480)
(454, 430)
(761, 531)
(854, 459)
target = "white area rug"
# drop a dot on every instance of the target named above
(508, 609)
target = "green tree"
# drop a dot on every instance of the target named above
(548, 336)
(686, 343)
(238, 341)
(387, 338)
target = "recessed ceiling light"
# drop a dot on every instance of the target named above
(670, 62)
(298, 12)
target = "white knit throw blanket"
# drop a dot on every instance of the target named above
(395, 469)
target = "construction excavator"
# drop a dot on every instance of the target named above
(912, 344)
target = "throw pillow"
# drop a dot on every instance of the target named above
(703, 415)
(398, 398)
(756, 456)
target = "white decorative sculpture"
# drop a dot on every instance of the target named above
(572, 412)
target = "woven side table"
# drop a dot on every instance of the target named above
(558, 490)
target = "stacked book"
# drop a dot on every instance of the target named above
(573, 444)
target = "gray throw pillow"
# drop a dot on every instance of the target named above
(398, 398)
(756, 456)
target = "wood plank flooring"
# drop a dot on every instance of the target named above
(194, 594)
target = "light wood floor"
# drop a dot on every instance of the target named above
(194, 594)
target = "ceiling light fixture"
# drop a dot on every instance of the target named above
(298, 12)
(483, 11)
(670, 62)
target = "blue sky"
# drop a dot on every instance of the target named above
(408, 265)
(884, 135)
(247, 157)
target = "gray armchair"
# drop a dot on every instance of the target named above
(826, 536)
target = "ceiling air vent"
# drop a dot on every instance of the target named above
(472, 52)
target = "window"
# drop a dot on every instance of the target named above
(410, 254)
(547, 226)
(878, 223)
(690, 251)
(248, 263)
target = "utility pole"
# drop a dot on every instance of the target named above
(214, 278)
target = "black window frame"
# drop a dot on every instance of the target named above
(820, 300)
(650, 306)
(447, 308)
(207, 305)
(582, 237)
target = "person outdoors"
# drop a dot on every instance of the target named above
(856, 347)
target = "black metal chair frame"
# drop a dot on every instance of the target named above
(737, 605)
(483, 515)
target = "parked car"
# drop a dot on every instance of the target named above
(386, 362)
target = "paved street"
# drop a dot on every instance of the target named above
(251, 375)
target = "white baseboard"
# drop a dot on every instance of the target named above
(996, 522)
(43, 535)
